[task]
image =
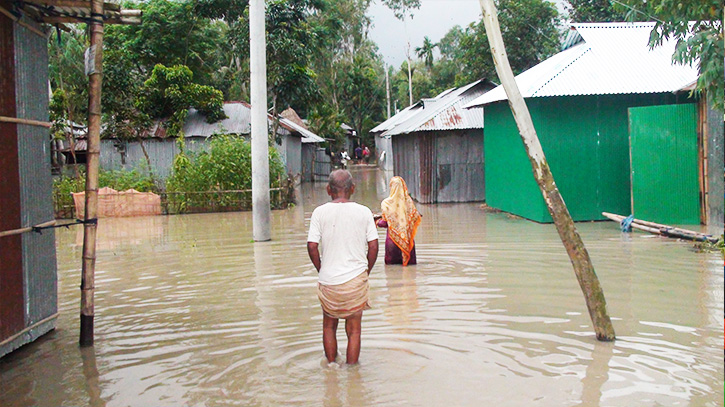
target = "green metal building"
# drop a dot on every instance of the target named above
(585, 103)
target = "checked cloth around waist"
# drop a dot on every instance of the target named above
(342, 300)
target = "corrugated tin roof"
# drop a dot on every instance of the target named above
(610, 58)
(238, 121)
(398, 118)
(307, 136)
(445, 111)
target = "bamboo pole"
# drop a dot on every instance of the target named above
(29, 122)
(27, 229)
(665, 230)
(91, 205)
(588, 281)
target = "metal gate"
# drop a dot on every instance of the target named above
(664, 164)
(322, 166)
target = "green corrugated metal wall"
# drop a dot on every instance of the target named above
(586, 142)
(665, 187)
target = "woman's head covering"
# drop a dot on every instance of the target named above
(402, 217)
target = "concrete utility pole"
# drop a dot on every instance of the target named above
(387, 89)
(95, 79)
(573, 243)
(410, 77)
(261, 214)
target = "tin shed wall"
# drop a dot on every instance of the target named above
(406, 152)
(39, 260)
(459, 173)
(28, 278)
(663, 148)
(384, 145)
(11, 266)
(585, 139)
(161, 154)
(308, 162)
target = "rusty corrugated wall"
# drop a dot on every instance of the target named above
(441, 166)
(28, 281)
(11, 268)
(459, 158)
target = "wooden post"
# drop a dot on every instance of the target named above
(94, 147)
(573, 243)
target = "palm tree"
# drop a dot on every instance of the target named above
(426, 51)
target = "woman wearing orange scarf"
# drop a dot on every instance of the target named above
(402, 220)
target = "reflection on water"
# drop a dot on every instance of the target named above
(191, 312)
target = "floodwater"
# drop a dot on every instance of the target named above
(190, 312)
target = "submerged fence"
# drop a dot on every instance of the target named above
(193, 202)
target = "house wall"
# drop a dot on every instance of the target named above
(308, 162)
(586, 142)
(406, 151)
(441, 166)
(294, 155)
(28, 275)
(386, 145)
(459, 172)
(715, 139)
(290, 151)
(161, 154)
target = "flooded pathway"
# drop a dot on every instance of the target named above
(190, 312)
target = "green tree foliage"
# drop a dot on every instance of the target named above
(66, 72)
(170, 92)
(362, 94)
(529, 29)
(401, 8)
(170, 33)
(425, 52)
(341, 28)
(697, 26)
(593, 11)
(290, 78)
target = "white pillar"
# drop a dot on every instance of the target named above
(261, 214)
(387, 89)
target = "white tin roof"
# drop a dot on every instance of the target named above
(610, 58)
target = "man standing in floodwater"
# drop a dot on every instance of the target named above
(343, 246)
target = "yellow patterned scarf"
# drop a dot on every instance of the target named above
(402, 217)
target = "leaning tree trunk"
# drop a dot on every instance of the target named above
(573, 243)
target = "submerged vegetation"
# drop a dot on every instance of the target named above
(708, 247)
(221, 177)
(214, 180)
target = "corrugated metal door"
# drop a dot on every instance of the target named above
(428, 173)
(663, 150)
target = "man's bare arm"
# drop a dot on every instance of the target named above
(372, 253)
(313, 250)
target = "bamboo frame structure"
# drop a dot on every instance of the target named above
(663, 230)
(90, 226)
(583, 268)
(29, 122)
(27, 229)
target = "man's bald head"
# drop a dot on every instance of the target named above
(340, 181)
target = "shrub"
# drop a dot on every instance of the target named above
(227, 166)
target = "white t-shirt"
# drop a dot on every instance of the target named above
(343, 230)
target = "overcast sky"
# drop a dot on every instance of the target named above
(434, 19)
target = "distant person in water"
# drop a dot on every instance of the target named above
(343, 246)
(402, 220)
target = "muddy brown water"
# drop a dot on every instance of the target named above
(190, 312)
